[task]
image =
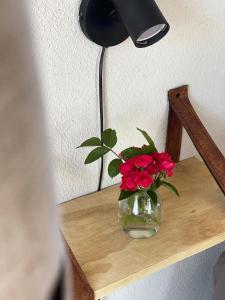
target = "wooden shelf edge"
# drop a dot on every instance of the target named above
(169, 261)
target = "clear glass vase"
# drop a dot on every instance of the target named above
(139, 215)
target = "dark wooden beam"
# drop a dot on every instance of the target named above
(182, 113)
(174, 136)
(81, 290)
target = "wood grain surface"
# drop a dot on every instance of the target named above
(110, 259)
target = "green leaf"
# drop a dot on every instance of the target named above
(109, 137)
(125, 194)
(113, 168)
(169, 186)
(96, 154)
(154, 187)
(131, 152)
(153, 197)
(148, 139)
(94, 141)
(147, 149)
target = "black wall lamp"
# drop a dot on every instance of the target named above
(110, 22)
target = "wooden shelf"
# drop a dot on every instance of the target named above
(110, 259)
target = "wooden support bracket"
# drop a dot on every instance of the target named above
(182, 114)
(81, 290)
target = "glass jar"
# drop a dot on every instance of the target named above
(139, 215)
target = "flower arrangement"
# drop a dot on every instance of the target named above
(142, 169)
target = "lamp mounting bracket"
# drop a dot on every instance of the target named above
(101, 23)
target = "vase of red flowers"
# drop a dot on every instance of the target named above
(143, 171)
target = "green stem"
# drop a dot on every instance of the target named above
(157, 176)
(113, 152)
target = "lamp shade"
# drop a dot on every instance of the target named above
(110, 22)
(143, 20)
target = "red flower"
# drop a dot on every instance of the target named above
(161, 156)
(142, 161)
(164, 162)
(126, 167)
(129, 182)
(152, 169)
(137, 171)
(136, 179)
(144, 180)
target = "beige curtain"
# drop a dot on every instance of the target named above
(31, 252)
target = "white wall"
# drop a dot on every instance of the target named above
(136, 85)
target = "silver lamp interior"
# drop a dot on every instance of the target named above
(149, 33)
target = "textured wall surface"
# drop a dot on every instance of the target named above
(136, 85)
